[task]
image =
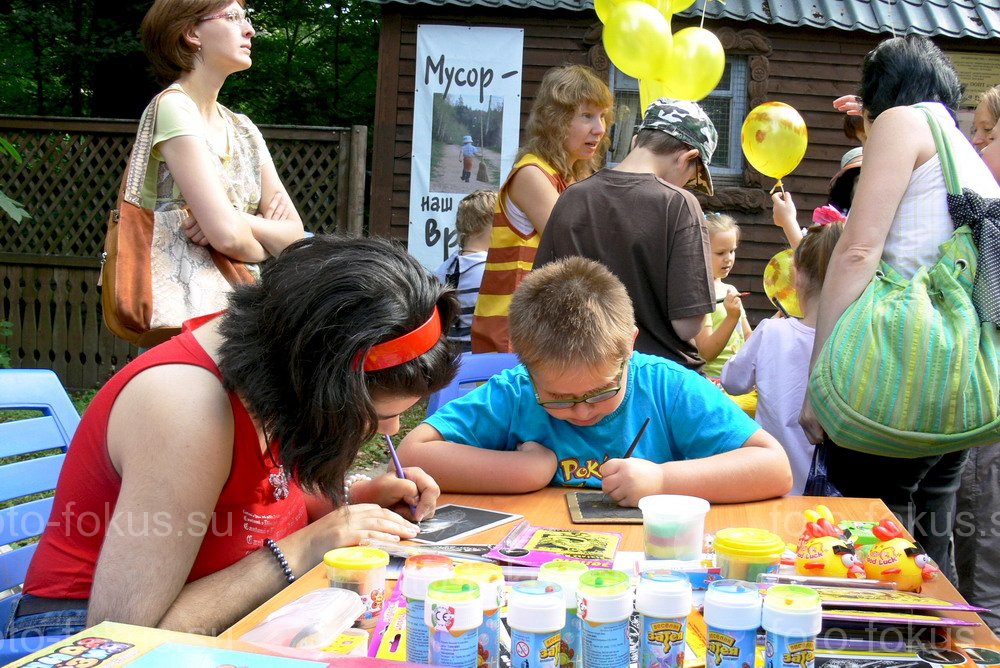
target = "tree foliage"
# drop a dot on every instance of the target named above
(315, 62)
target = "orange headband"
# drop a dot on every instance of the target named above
(404, 348)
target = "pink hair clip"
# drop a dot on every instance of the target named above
(827, 214)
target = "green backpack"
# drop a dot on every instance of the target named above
(909, 370)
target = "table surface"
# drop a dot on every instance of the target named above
(547, 507)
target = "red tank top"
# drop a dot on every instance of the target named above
(246, 513)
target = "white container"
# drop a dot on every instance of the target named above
(536, 613)
(567, 575)
(663, 601)
(732, 617)
(604, 605)
(419, 572)
(489, 577)
(792, 616)
(673, 526)
(453, 612)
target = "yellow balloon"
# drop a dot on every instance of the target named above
(650, 90)
(678, 5)
(697, 61)
(637, 38)
(779, 283)
(605, 7)
(774, 139)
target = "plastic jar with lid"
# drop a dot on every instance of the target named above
(362, 570)
(745, 553)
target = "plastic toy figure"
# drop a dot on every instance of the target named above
(826, 550)
(896, 559)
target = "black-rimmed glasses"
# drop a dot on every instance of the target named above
(592, 398)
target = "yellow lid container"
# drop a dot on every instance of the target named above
(356, 558)
(744, 553)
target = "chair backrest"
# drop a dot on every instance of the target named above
(473, 369)
(32, 451)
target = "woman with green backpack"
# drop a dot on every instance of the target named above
(883, 382)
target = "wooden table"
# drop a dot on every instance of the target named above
(547, 507)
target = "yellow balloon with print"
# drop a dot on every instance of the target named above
(774, 139)
(697, 61)
(604, 8)
(637, 38)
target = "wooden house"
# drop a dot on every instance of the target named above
(802, 53)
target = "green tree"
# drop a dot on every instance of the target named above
(315, 62)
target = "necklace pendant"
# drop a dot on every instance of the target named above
(279, 481)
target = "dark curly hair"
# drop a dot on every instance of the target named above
(906, 70)
(293, 342)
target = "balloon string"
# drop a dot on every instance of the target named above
(892, 23)
(778, 186)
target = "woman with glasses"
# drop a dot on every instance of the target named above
(205, 157)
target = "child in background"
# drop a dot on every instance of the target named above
(464, 269)
(469, 151)
(569, 412)
(776, 358)
(726, 329)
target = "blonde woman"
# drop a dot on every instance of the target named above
(567, 141)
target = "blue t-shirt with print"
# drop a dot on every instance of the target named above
(690, 418)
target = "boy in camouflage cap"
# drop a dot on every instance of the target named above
(638, 220)
(688, 123)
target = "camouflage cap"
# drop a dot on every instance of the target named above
(689, 123)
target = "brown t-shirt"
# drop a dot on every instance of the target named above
(652, 236)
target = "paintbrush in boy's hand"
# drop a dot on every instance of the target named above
(628, 453)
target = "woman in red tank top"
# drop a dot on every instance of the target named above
(209, 472)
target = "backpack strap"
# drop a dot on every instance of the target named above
(944, 151)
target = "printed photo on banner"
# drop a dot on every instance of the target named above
(466, 122)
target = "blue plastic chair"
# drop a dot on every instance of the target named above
(473, 369)
(38, 390)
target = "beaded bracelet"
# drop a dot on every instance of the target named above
(280, 556)
(349, 482)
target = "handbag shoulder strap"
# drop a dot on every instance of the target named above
(138, 161)
(944, 151)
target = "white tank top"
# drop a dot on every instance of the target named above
(922, 222)
(517, 217)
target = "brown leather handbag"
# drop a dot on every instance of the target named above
(153, 277)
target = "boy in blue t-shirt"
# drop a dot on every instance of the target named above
(568, 413)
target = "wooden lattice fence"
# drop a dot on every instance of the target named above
(68, 181)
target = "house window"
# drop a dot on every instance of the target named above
(726, 106)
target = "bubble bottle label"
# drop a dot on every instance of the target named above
(782, 651)
(728, 648)
(447, 647)
(453, 615)
(661, 644)
(534, 650)
(604, 605)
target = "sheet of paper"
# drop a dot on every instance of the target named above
(452, 522)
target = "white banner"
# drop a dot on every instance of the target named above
(468, 87)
